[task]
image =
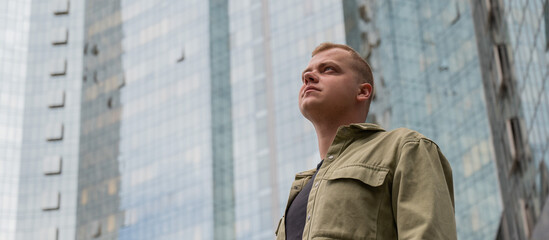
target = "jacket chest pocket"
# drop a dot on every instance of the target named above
(348, 204)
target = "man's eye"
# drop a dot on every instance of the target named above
(327, 69)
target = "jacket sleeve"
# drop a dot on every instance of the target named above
(423, 193)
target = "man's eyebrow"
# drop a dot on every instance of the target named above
(321, 65)
(327, 62)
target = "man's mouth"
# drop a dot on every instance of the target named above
(310, 89)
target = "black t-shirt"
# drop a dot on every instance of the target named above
(297, 212)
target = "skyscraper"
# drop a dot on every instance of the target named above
(14, 37)
(149, 119)
(429, 79)
(48, 164)
(512, 42)
(472, 75)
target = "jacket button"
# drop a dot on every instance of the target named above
(331, 156)
(308, 217)
(316, 184)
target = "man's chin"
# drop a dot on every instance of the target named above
(309, 107)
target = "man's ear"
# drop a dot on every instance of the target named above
(365, 92)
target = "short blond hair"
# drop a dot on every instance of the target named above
(360, 65)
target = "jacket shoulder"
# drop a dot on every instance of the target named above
(401, 136)
(389, 145)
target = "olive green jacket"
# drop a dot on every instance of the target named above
(375, 184)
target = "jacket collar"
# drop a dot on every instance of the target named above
(305, 174)
(346, 131)
(365, 127)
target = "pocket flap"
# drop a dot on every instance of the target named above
(371, 175)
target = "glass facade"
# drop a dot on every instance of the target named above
(165, 125)
(221, 121)
(168, 107)
(271, 43)
(149, 119)
(14, 37)
(50, 137)
(528, 44)
(526, 21)
(512, 46)
(98, 202)
(428, 79)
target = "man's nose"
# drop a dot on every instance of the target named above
(310, 77)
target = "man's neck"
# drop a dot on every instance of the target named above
(326, 127)
(326, 133)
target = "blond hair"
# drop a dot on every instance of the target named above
(359, 64)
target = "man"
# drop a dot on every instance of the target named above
(371, 184)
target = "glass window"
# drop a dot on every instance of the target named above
(60, 7)
(54, 132)
(59, 36)
(514, 134)
(502, 65)
(95, 229)
(51, 233)
(50, 201)
(52, 165)
(58, 67)
(365, 13)
(56, 99)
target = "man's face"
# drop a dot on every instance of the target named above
(330, 84)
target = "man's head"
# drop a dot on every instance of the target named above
(336, 83)
(358, 63)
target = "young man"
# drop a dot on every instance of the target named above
(371, 184)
